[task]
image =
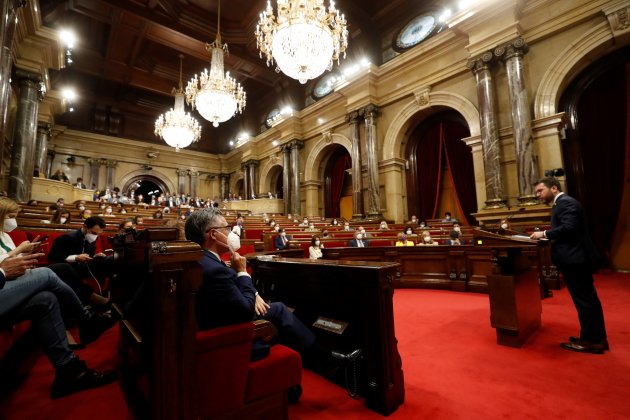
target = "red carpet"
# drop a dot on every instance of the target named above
(453, 368)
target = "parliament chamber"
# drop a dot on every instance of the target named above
(387, 195)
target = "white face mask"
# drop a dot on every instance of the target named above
(283, 234)
(63, 220)
(427, 239)
(317, 243)
(383, 226)
(421, 224)
(108, 210)
(9, 224)
(233, 242)
(359, 236)
(504, 226)
(277, 228)
(456, 229)
(409, 232)
(81, 208)
(91, 237)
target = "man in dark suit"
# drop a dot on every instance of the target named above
(281, 241)
(80, 183)
(227, 295)
(358, 241)
(78, 248)
(574, 254)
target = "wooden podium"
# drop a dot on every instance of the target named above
(513, 287)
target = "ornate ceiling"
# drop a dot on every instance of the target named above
(125, 62)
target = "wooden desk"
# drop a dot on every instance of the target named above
(359, 293)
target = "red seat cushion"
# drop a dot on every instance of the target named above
(279, 371)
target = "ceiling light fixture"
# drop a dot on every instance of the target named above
(177, 127)
(304, 39)
(216, 96)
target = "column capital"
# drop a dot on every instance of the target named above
(224, 176)
(193, 173)
(252, 162)
(517, 47)
(296, 144)
(44, 127)
(370, 111)
(181, 172)
(111, 163)
(481, 62)
(31, 79)
(285, 148)
(353, 117)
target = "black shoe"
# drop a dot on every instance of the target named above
(583, 347)
(345, 358)
(294, 393)
(76, 346)
(92, 328)
(76, 376)
(604, 342)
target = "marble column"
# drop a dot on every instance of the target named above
(194, 182)
(41, 147)
(245, 169)
(253, 191)
(486, 97)
(286, 173)
(355, 155)
(50, 156)
(374, 197)
(296, 145)
(181, 180)
(95, 169)
(8, 23)
(110, 175)
(526, 165)
(24, 135)
(225, 178)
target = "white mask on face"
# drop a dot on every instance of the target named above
(427, 239)
(108, 211)
(359, 236)
(283, 234)
(81, 208)
(91, 237)
(504, 226)
(9, 224)
(317, 243)
(277, 228)
(233, 242)
(409, 232)
(382, 226)
(63, 220)
(456, 229)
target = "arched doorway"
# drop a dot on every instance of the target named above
(441, 175)
(338, 184)
(147, 185)
(275, 181)
(238, 189)
(597, 141)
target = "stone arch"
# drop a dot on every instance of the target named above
(569, 63)
(427, 102)
(163, 181)
(266, 172)
(234, 178)
(318, 153)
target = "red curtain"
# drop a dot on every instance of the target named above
(429, 163)
(337, 177)
(460, 164)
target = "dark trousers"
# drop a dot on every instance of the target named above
(69, 276)
(291, 331)
(580, 283)
(100, 268)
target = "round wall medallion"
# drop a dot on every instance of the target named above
(415, 31)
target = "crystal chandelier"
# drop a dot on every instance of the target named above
(304, 39)
(216, 96)
(176, 127)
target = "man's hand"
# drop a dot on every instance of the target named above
(100, 255)
(261, 306)
(537, 235)
(239, 263)
(16, 266)
(83, 258)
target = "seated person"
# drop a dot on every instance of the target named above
(85, 214)
(39, 296)
(448, 218)
(334, 222)
(61, 217)
(315, 250)
(281, 241)
(427, 240)
(402, 240)
(414, 220)
(363, 232)
(138, 221)
(383, 226)
(227, 295)
(272, 223)
(346, 226)
(158, 214)
(304, 222)
(453, 239)
(78, 248)
(32, 203)
(504, 225)
(311, 228)
(108, 212)
(325, 233)
(424, 224)
(358, 241)
(409, 231)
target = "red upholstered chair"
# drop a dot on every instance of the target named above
(228, 385)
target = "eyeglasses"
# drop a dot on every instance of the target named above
(228, 227)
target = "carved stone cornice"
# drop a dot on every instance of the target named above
(422, 96)
(618, 16)
(483, 62)
(517, 47)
